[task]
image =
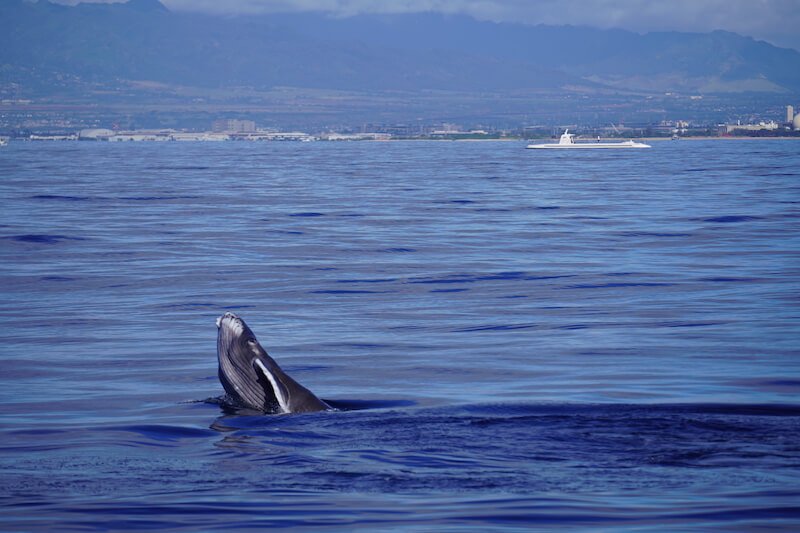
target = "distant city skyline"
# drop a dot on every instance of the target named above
(775, 21)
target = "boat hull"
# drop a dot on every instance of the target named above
(587, 146)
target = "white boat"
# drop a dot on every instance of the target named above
(567, 141)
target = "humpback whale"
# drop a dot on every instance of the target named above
(252, 378)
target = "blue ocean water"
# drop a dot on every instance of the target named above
(519, 339)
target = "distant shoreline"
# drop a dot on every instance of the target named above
(586, 140)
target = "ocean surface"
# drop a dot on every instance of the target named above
(515, 339)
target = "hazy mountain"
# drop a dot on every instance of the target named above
(44, 46)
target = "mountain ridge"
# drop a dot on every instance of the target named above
(143, 40)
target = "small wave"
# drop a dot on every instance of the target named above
(363, 405)
(43, 238)
(398, 250)
(333, 291)
(653, 234)
(499, 276)
(179, 167)
(448, 290)
(155, 198)
(731, 219)
(774, 384)
(380, 280)
(163, 432)
(64, 198)
(496, 327)
(687, 324)
(723, 279)
(617, 285)
(56, 278)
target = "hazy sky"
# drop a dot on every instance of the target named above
(776, 21)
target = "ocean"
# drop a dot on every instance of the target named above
(516, 339)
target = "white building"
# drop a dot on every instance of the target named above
(761, 126)
(95, 134)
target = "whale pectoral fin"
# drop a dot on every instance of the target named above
(278, 389)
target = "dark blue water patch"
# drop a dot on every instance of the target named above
(398, 250)
(548, 207)
(43, 238)
(776, 174)
(163, 433)
(56, 278)
(457, 278)
(616, 285)
(157, 198)
(774, 384)
(688, 324)
(448, 290)
(653, 234)
(496, 327)
(309, 214)
(502, 276)
(731, 219)
(362, 405)
(499, 276)
(343, 291)
(724, 279)
(369, 280)
(444, 448)
(462, 202)
(179, 167)
(64, 198)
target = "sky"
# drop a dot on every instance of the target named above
(775, 21)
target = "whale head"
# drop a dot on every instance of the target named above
(251, 378)
(238, 354)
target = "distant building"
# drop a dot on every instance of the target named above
(789, 114)
(233, 125)
(761, 126)
(95, 134)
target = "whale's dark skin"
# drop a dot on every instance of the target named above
(252, 379)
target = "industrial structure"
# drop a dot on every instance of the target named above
(792, 120)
